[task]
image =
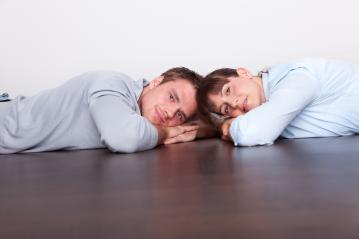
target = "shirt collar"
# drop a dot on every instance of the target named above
(265, 81)
(139, 86)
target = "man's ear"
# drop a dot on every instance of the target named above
(242, 72)
(155, 82)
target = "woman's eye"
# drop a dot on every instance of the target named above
(171, 97)
(226, 110)
(228, 91)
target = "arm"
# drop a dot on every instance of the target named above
(265, 123)
(122, 129)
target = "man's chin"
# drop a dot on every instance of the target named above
(156, 121)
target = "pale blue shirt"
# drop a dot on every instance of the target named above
(308, 98)
(95, 110)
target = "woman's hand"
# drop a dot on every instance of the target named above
(224, 129)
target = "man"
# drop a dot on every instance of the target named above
(306, 98)
(103, 109)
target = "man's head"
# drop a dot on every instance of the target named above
(230, 92)
(170, 99)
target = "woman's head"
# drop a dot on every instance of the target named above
(230, 92)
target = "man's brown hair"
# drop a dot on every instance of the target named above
(182, 73)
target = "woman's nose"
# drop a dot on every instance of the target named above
(234, 102)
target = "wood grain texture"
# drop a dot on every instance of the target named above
(304, 188)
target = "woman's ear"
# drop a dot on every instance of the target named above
(155, 82)
(242, 72)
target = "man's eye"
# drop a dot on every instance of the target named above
(179, 115)
(171, 97)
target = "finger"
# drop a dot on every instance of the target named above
(190, 123)
(176, 139)
(174, 132)
(186, 128)
(177, 130)
(185, 137)
(188, 136)
(170, 141)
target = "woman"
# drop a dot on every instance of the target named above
(307, 98)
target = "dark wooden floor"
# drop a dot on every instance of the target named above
(207, 189)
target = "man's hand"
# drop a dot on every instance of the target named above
(202, 130)
(181, 138)
(224, 129)
(186, 130)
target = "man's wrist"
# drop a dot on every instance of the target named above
(162, 134)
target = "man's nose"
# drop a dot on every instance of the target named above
(170, 112)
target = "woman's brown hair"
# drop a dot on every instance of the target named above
(212, 84)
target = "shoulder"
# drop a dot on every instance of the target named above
(304, 70)
(310, 66)
(108, 77)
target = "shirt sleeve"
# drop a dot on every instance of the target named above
(121, 128)
(265, 123)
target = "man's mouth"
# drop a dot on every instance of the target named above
(245, 105)
(160, 115)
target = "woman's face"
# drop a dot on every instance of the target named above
(241, 94)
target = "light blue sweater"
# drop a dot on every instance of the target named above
(94, 110)
(308, 98)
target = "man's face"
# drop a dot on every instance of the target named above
(240, 95)
(169, 104)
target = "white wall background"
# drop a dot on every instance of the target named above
(45, 42)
